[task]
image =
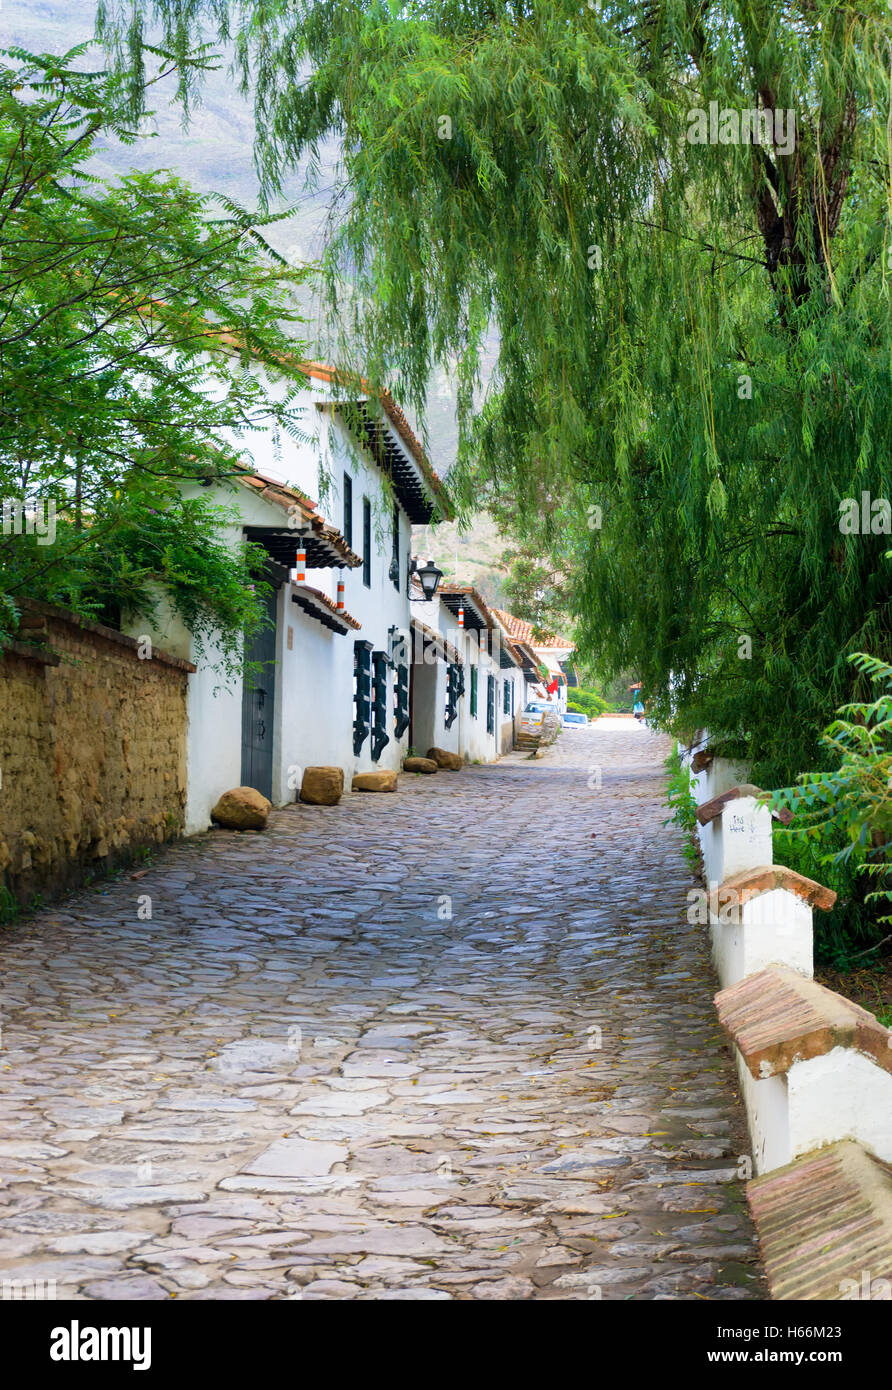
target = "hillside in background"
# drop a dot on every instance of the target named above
(214, 154)
(469, 557)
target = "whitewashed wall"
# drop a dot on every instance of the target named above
(468, 735)
(477, 745)
(775, 928)
(313, 719)
(506, 722)
(842, 1094)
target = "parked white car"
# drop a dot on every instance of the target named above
(572, 720)
(532, 717)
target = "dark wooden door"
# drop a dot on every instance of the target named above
(258, 706)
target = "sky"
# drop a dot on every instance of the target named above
(213, 154)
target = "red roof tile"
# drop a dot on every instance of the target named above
(522, 631)
(287, 497)
(317, 597)
(321, 371)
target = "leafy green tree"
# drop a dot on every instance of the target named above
(133, 317)
(693, 326)
(842, 818)
(535, 592)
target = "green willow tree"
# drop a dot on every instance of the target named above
(693, 328)
(132, 315)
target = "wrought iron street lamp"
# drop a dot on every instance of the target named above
(428, 577)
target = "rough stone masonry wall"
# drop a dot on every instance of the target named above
(92, 750)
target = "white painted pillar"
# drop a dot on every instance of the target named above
(735, 833)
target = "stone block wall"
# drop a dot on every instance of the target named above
(92, 750)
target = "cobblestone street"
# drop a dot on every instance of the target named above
(456, 1042)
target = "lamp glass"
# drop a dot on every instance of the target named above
(429, 577)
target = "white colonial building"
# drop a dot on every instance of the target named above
(551, 657)
(332, 671)
(467, 680)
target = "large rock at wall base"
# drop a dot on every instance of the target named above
(454, 761)
(242, 808)
(383, 781)
(420, 765)
(322, 786)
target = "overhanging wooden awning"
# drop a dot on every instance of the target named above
(410, 486)
(320, 607)
(477, 617)
(301, 527)
(282, 545)
(528, 660)
(424, 636)
(509, 657)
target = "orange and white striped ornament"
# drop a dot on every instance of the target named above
(301, 566)
(340, 595)
(461, 615)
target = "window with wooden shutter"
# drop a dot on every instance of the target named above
(380, 736)
(455, 688)
(401, 700)
(362, 693)
(348, 510)
(395, 558)
(367, 542)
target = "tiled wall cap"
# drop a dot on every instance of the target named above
(750, 883)
(822, 1221)
(777, 1017)
(708, 810)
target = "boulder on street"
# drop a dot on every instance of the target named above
(322, 786)
(382, 781)
(453, 761)
(242, 808)
(420, 765)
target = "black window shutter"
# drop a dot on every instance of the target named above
(380, 736)
(367, 542)
(348, 510)
(395, 563)
(362, 686)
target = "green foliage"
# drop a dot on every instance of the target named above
(842, 817)
(534, 591)
(128, 313)
(849, 929)
(9, 906)
(683, 805)
(692, 338)
(587, 702)
(132, 555)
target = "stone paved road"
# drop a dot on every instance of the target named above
(304, 1078)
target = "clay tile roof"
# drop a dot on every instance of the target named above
(522, 631)
(749, 883)
(777, 1017)
(822, 1220)
(315, 602)
(285, 497)
(517, 628)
